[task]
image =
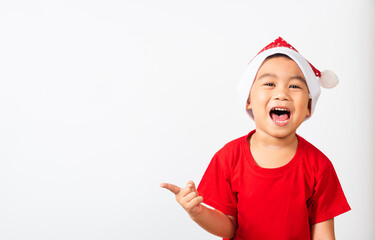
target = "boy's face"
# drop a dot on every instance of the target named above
(279, 97)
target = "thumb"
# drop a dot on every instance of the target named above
(171, 187)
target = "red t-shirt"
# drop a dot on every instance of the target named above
(278, 203)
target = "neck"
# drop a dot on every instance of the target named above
(264, 140)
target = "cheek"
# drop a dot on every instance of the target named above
(304, 104)
(255, 93)
(258, 103)
(258, 99)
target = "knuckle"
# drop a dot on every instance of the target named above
(184, 206)
(184, 190)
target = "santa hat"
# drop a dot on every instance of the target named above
(314, 77)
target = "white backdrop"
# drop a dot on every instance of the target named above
(100, 101)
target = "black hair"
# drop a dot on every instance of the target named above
(278, 55)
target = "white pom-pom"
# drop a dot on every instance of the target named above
(328, 79)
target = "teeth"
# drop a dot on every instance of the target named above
(282, 122)
(280, 109)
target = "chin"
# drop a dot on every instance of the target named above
(282, 133)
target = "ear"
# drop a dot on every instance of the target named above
(248, 104)
(309, 108)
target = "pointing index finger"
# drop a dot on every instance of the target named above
(171, 187)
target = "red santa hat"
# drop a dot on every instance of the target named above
(314, 77)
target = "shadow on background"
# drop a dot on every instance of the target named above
(372, 104)
(370, 68)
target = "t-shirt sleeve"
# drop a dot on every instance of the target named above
(215, 186)
(328, 199)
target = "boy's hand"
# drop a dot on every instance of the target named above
(187, 197)
(211, 220)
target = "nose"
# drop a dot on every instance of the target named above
(281, 94)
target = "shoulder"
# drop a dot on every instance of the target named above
(234, 146)
(232, 151)
(315, 158)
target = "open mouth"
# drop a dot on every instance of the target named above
(280, 115)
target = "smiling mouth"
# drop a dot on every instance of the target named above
(280, 115)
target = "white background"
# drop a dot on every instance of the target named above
(100, 101)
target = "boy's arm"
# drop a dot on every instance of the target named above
(212, 220)
(217, 223)
(323, 231)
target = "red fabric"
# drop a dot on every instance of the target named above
(279, 203)
(280, 42)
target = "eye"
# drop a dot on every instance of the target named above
(269, 84)
(294, 86)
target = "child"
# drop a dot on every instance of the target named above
(271, 183)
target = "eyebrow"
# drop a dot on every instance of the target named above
(298, 77)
